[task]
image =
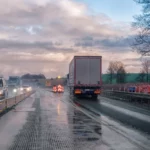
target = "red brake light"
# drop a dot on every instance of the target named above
(97, 91)
(77, 91)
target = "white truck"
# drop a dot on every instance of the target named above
(14, 85)
(85, 76)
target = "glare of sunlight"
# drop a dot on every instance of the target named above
(72, 8)
(54, 56)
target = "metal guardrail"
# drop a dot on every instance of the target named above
(133, 94)
(139, 98)
(10, 102)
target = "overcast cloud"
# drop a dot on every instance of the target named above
(42, 36)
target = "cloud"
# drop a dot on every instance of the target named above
(43, 36)
(34, 47)
(113, 43)
(71, 19)
(12, 44)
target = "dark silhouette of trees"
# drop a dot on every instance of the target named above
(116, 70)
(142, 24)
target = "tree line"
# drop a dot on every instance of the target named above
(144, 75)
(142, 24)
(117, 71)
(33, 76)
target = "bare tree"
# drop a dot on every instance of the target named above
(146, 68)
(116, 70)
(141, 76)
(142, 23)
(111, 71)
(121, 74)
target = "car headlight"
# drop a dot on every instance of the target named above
(14, 90)
(29, 88)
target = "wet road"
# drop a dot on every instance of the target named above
(120, 111)
(48, 121)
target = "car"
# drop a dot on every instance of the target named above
(58, 89)
(54, 89)
(26, 88)
(3, 88)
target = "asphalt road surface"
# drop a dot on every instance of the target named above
(121, 111)
(49, 121)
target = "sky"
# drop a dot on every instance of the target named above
(42, 36)
(119, 10)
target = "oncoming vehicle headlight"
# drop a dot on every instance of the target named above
(14, 90)
(30, 88)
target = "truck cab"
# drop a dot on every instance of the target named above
(15, 85)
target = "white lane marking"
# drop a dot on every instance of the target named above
(128, 112)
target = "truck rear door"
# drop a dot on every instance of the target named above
(88, 70)
(95, 71)
(82, 71)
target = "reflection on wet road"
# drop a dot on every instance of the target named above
(55, 125)
(53, 122)
(124, 112)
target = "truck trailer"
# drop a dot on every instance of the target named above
(85, 76)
